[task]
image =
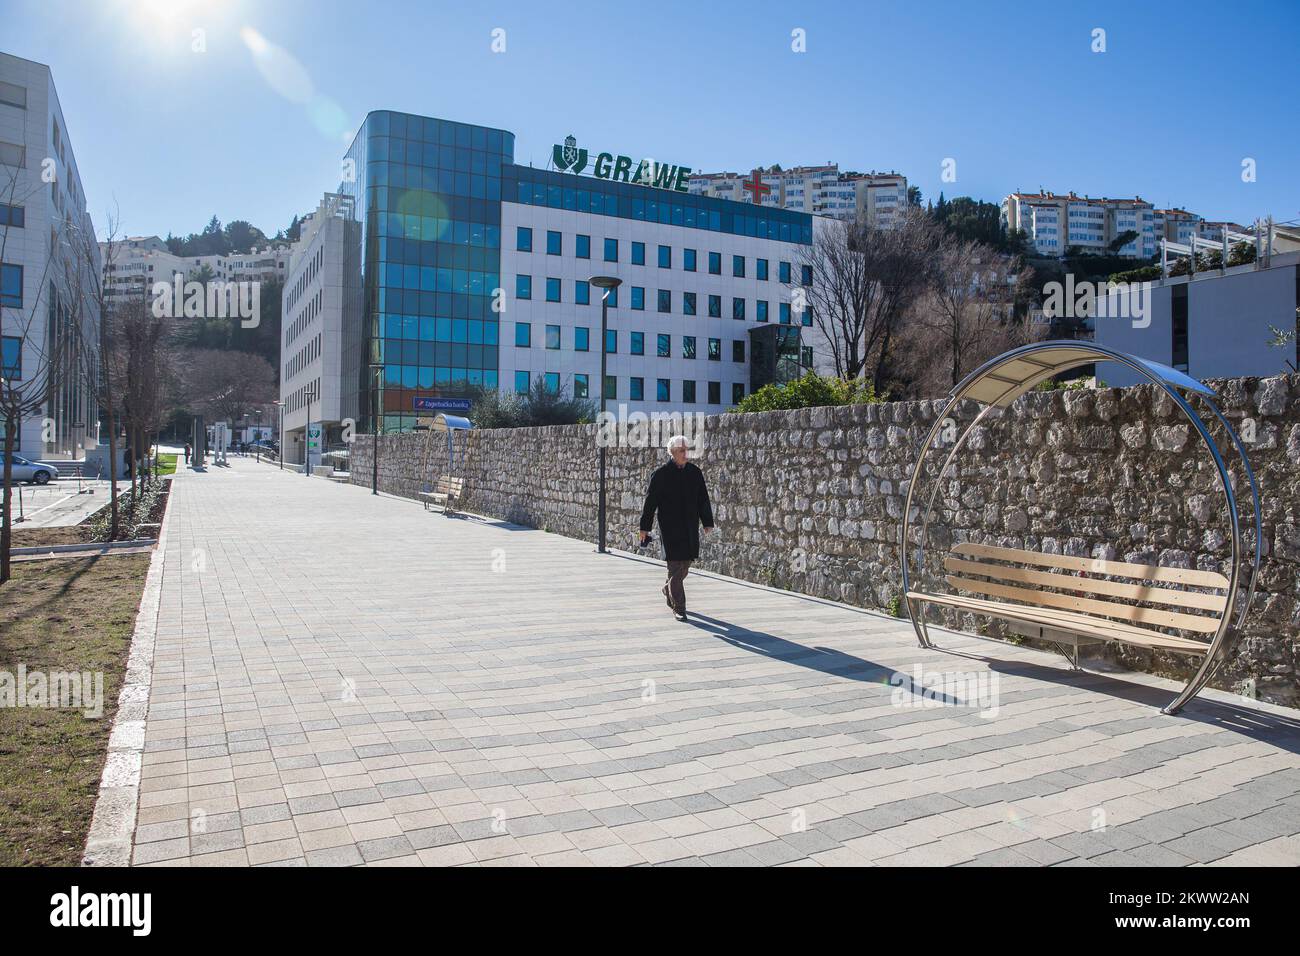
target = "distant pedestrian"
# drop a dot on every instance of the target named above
(678, 494)
(187, 453)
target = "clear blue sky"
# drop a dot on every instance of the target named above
(1011, 91)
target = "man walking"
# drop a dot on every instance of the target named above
(677, 492)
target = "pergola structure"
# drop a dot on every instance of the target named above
(1075, 608)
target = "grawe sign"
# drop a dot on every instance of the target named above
(573, 159)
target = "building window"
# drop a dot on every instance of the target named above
(523, 335)
(611, 250)
(638, 297)
(807, 317)
(784, 311)
(760, 310)
(715, 306)
(663, 390)
(523, 287)
(11, 286)
(637, 389)
(688, 346)
(688, 303)
(805, 356)
(738, 308)
(580, 385)
(581, 339)
(611, 341)
(583, 247)
(783, 273)
(737, 350)
(521, 382)
(554, 243)
(552, 336)
(688, 392)
(665, 300)
(715, 393)
(737, 392)
(14, 95)
(11, 357)
(552, 290)
(715, 350)
(688, 260)
(665, 257)
(638, 253)
(552, 382)
(582, 292)
(806, 274)
(611, 386)
(12, 216)
(665, 345)
(760, 269)
(715, 263)
(523, 239)
(738, 266)
(611, 296)
(638, 343)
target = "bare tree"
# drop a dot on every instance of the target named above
(864, 278)
(966, 317)
(50, 329)
(139, 370)
(225, 385)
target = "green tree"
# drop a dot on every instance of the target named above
(809, 391)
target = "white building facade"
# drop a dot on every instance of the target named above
(1055, 223)
(48, 262)
(817, 190)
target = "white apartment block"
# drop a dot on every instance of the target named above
(817, 190)
(319, 364)
(137, 262)
(46, 239)
(1057, 222)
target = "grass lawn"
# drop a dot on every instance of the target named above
(60, 615)
(167, 464)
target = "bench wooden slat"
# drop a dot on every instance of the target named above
(1145, 572)
(1187, 622)
(1065, 621)
(1070, 582)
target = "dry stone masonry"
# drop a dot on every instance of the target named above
(812, 500)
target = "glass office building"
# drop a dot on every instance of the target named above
(473, 272)
(427, 193)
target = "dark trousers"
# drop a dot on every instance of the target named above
(673, 590)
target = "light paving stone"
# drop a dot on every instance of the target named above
(358, 728)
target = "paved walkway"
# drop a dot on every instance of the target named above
(347, 679)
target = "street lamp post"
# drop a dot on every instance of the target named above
(608, 284)
(280, 454)
(306, 436)
(375, 418)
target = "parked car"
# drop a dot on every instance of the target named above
(24, 470)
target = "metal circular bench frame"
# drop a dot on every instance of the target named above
(1002, 380)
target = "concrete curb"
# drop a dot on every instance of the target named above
(112, 828)
(89, 546)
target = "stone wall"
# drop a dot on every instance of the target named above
(811, 500)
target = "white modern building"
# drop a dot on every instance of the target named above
(319, 369)
(134, 264)
(1217, 323)
(48, 263)
(817, 190)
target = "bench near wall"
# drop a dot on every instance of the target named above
(811, 499)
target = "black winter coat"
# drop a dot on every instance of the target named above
(682, 500)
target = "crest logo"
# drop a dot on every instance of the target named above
(569, 157)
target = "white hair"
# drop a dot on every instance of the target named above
(678, 441)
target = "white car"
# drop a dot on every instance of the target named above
(24, 470)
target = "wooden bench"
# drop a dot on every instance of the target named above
(446, 493)
(1070, 600)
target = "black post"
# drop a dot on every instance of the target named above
(280, 455)
(374, 430)
(604, 333)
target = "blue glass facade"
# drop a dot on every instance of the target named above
(427, 194)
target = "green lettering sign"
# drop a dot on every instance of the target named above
(572, 159)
